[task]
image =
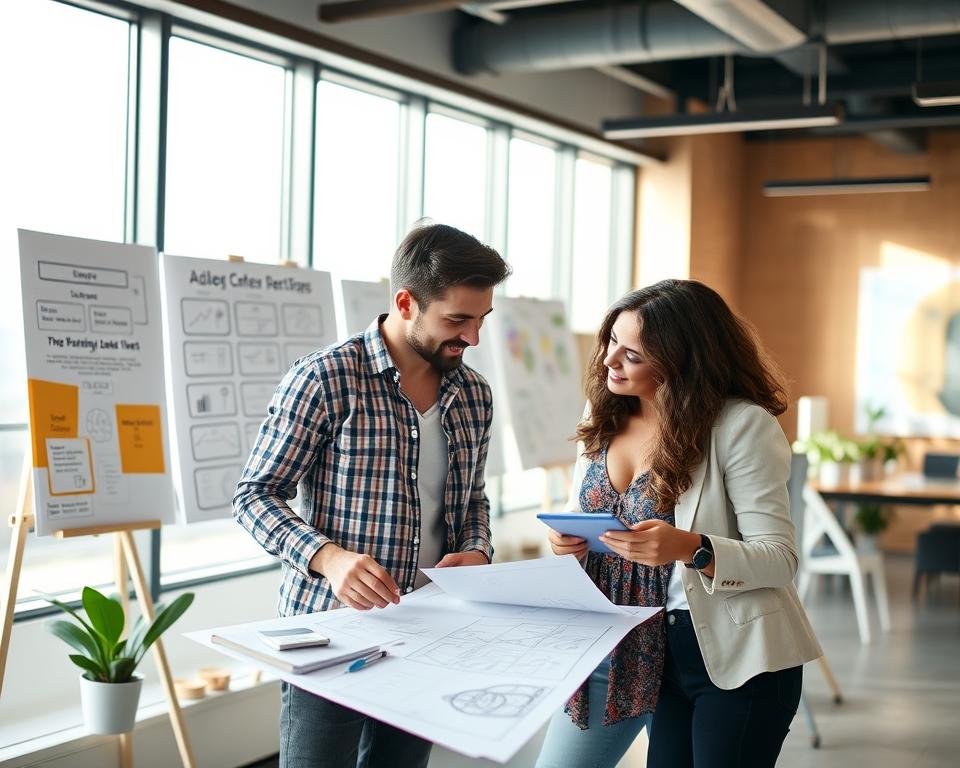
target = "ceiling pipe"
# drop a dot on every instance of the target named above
(589, 36)
(752, 22)
(660, 30)
(357, 10)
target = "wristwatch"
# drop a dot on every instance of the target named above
(704, 554)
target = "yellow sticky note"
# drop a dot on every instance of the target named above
(141, 438)
(54, 413)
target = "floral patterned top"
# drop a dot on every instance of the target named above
(636, 664)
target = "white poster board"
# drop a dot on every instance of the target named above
(537, 387)
(91, 320)
(482, 360)
(361, 303)
(233, 329)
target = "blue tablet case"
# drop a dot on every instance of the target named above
(587, 526)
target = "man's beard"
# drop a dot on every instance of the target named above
(435, 356)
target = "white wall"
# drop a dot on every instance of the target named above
(423, 40)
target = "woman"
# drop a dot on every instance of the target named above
(682, 410)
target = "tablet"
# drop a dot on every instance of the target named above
(587, 526)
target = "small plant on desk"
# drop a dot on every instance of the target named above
(109, 685)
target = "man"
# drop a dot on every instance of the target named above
(387, 434)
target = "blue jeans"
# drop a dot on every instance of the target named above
(316, 733)
(699, 724)
(600, 746)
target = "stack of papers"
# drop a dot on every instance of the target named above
(477, 661)
(244, 639)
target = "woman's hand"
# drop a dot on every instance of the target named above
(653, 542)
(567, 545)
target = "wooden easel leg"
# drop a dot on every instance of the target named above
(120, 575)
(21, 522)
(126, 750)
(146, 606)
(831, 680)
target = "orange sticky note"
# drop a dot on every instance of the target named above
(54, 413)
(141, 438)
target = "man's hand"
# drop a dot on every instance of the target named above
(471, 557)
(358, 581)
(653, 542)
(567, 545)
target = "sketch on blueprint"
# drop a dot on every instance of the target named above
(518, 648)
(497, 700)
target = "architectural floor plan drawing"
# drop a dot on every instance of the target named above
(482, 677)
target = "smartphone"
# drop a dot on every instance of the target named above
(292, 637)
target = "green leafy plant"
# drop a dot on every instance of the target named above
(103, 656)
(872, 518)
(821, 447)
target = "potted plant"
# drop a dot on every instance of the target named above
(872, 520)
(109, 685)
(829, 454)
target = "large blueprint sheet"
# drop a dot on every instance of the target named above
(479, 678)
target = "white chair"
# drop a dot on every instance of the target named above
(820, 521)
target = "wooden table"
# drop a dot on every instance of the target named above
(904, 488)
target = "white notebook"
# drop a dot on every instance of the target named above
(299, 661)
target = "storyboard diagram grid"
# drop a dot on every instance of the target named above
(91, 319)
(233, 329)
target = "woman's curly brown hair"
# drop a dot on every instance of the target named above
(703, 354)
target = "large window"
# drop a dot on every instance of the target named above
(266, 158)
(455, 175)
(63, 154)
(357, 181)
(592, 262)
(225, 146)
(531, 240)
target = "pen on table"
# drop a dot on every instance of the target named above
(366, 661)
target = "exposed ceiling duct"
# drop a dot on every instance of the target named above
(752, 22)
(579, 35)
(589, 36)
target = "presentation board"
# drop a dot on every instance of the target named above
(95, 370)
(536, 381)
(233, 329)
(362, 303)
(482, 359)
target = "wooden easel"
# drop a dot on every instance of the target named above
(126, 562)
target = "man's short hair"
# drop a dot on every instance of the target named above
(435, 257)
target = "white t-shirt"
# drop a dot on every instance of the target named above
(431, 485)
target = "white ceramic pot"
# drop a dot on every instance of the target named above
(867, 543)
(110, 707)
(833, 473)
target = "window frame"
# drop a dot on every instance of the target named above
(144, 217)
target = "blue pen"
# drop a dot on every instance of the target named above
(366, 661)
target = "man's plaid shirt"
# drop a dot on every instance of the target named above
(339, 426)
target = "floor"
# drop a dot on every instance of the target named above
(901, 706)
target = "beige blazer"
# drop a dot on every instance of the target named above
(747, 618)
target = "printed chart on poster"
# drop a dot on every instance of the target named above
(362, 302)
(91, 320)
(233, 329)
(537, 385)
